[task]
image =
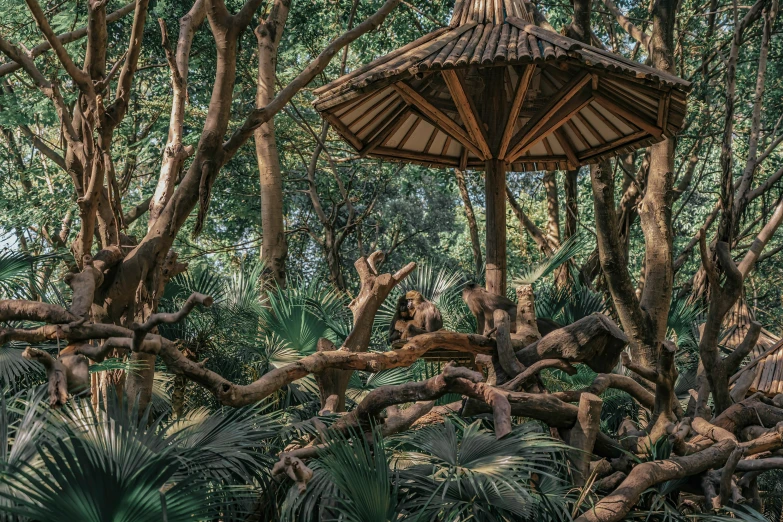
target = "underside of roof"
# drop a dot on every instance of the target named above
(502, 89)
(766, 357)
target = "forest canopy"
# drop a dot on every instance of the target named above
(371, 260)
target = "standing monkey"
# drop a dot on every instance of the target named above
(483, 304)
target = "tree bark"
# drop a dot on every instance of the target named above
(274, 247)
(475, 242)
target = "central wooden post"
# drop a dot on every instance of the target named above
(495, 186)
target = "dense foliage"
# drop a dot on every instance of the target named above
(185, 456)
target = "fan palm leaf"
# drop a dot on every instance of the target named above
(573, 246)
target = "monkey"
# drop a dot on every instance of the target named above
(482, 304)
(425, 316)
(399, 322)
(414, 315)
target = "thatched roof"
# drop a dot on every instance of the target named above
(766, 358)
(493, 84)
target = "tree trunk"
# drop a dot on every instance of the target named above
(471, 218)
(274, 248)
(572, 208)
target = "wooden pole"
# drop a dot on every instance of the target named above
(495, 186)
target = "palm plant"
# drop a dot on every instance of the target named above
(575, 245)
(18, 277)
(568, 304)
(121, 464)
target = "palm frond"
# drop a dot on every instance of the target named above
(362, 383)
(360, 471)
(17, 273)
(14, 368)
(573, 246)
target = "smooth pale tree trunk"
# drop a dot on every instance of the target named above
(274, 247)
(471, 218)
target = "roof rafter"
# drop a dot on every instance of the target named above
(467, 110)
(566, 102)
(439, 119)
(516, 106)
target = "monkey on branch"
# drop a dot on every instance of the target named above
(482, 305)
(414, 315)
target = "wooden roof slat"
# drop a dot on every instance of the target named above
(523, 47)
(627, 113)
(578, 133)
(532, 43)
(441, 55)
(512, 44)
(427, 159)
(623, 140)
(502, 49)
(476, 58)
(380, 61)
(606, 121)
(434, 133)
(376, 117)
(392, 123)
(548, 36)
(410, 131)
(456, 14)
(472, 44)
(549, 50)
(492, 43)
(642, 104)
(457, 50)
(589, 126)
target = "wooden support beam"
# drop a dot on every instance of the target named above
(446, 124)
(620, 142)
(495, 187)
(467, 110)
(562, 139)
(620, 109)
(516, 105)
(417, 157)
(344, 131)
(570, 100)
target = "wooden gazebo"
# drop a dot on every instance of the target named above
(494, 92)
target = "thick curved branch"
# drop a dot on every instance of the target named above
(604, 381)
(635, 32)
(534, 369)
(81, 78)
(616, 505)
(261, 115)
(19, 310)
(232, 394)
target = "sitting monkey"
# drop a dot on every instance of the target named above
(425, 316)
(483, 304)
(415, 315)
(399, 322)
